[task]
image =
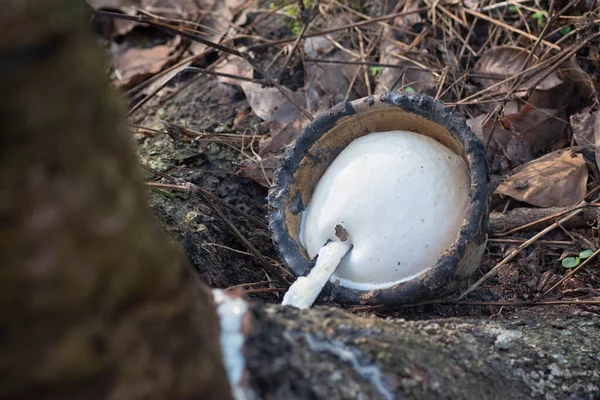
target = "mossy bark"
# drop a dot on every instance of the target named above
(95, 301)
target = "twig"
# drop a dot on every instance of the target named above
(525, 218)
(442, 82)
(190, 34)
(273, 82)
(482, 303)
(559, 62)
(571, 273)
(305, 26)
(510, 28)
(243, 285)
(261, 259)
(190, 188)
(515, 252)
(547, 242)
(341, 28)
(265, 290)
(503, 4)
(378, 64)
(205, 196)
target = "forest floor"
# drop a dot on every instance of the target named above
(225, 134)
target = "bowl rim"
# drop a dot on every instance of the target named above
(446, 273)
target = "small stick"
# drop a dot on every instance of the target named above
(245, 285)
(442, 82)
(193, 189)
(482, 303)
(288, 60)
(546, 218)
(341, 28)
(510, 28)
(303, 293)
(547, 242)
(262, 260)
(263, 290)
(191, 34)
(514, 253)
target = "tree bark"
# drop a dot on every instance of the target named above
(330, 354)
(95, 301)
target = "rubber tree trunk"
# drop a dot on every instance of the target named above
(331, 354)
(95, 301)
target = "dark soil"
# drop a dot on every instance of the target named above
(220, 258)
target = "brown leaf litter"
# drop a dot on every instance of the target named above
(554, 180)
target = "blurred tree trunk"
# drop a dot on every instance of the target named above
(95, 301)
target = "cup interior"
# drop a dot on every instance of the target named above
(321, 154)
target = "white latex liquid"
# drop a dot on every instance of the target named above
(303, 293)
(401, 197)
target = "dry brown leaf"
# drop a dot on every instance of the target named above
(281, 135)
(585, 90)
(234, 65)
(132, 65)
(113, 4)
(180, 9)
(271, 105)
(317, 46)
(327, 84)
(586, 131)
(555, 180)
(419, 79)
(392, 51)
(520, 136)
(112, 27)
(505, 61)
(260, 171)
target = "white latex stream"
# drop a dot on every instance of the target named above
(303, 293)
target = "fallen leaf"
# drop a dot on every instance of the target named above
(132, 65)
(555, 180)
(585, 90)
(180, 9)
(412, 75)
(327, 84)
(540, 127)
(317, 46)
(234, 65)
(280, 136)
(271, 105)
(113, 27)
(520, 136)
(505, 61)
(260, 171)
(586, 131)
(113, 4)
